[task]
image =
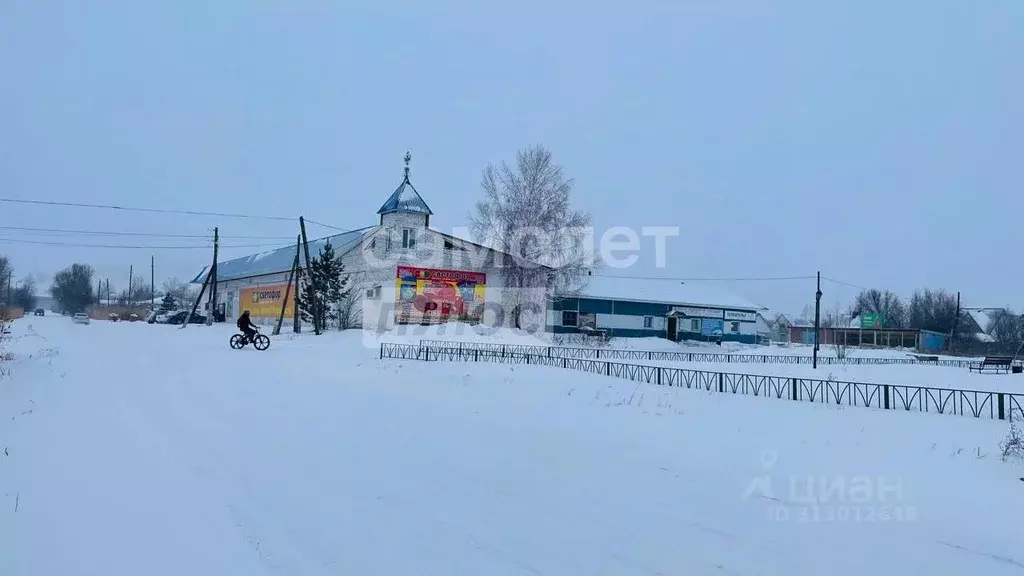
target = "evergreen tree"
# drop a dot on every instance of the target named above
(324, 288)
(168, 304)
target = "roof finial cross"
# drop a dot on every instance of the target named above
(408, 158)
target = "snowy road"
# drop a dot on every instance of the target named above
(134, 449)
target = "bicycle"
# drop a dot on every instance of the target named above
(258, 341)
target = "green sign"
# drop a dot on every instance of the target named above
(870, 321)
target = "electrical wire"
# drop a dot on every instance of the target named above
(60, 231)
(162, 211)
(134, 247)
(752, 279)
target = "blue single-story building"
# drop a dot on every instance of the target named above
(638, 307)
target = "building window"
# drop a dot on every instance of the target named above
(734, 327)
(569, 318)
(408, 238)
(648, 321)
(694, 324)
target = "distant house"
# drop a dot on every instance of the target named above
(976, 322)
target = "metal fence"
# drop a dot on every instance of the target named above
(995, 405)
(627, 354)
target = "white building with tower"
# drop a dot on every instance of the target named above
(400, 270)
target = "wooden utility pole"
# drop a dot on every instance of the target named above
(9, 295)
(130, 269)
(213, 283)
(99, 292)
(296, 316)
(956, 318)
(108, 291)
(152, 282)
(817, 322)
(199, 299)
(288, 287)
(309, 277)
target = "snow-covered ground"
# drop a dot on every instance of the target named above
(133, 449)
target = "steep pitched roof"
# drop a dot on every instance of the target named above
(405, 199)
(280, 259)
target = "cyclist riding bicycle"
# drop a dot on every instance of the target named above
(246, 326)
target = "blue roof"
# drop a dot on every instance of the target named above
(405, 199)
(280, 260)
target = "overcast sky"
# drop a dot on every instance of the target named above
(880, 142)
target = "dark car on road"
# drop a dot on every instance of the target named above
(179, 318)
(40, 312)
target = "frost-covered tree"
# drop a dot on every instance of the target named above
(526, 214)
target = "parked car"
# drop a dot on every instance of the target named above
(80, 318)
(179, 318)
(40, 312)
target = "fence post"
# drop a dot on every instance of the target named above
(659, 375)
(381, 351)
(565, 362)
(476, 355)
(886, 396)
(598, 350)
(1002, 407)
(792, 382)
(649, 353)
(527, 357)
(721, 386)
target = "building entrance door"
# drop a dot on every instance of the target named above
(670, 328)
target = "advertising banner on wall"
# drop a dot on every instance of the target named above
(431, 296)
(711, 327)
(265, 301)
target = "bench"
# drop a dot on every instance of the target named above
(993, 363)
(923, 358)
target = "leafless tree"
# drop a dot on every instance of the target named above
(932, 310)
(1007, 328)
(886, 304)
(5, 273)
(834, 317)
(140, 294)
(349, 312)
(182, 292)
(526, 215)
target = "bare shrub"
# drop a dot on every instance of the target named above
(840, 349)
(1012, 447)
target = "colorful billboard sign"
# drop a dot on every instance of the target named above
(265, 301)
(432, 296)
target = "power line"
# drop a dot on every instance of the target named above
(58, 231)
(753, 279)
(841, 283)
(159, 211)
(127, 246)
(327, 225)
